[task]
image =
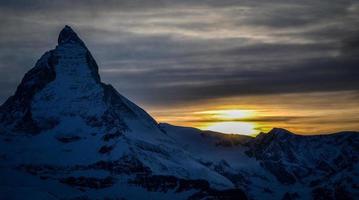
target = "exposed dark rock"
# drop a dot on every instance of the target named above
(162, 183)
(290, 196)
(88, 182)
(122, 106)
(69, 138)
(153, 148)
(111, 119)
(231, 194)
(84, 197)
(3, 156)
(41, 169)
(165, 183)
(106, 149)
(67, 35)
(125, 165)
(315, 183)
(267, 190)
(340, 193)
(93, 66)
(324, 166)
(279, 171)
(320, 193)
(109, 136)
(94, 121)
(224, 169)
(16, 109)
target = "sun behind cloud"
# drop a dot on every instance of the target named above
(230, 114)
(243, 128)
(229, 121)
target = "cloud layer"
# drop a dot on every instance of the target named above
(165, 53)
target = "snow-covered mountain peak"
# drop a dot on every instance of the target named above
(68, 35)
(68, 116)
(65, 86)
(279, 133)
(73, 51)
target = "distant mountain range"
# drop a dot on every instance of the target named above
(66, 135)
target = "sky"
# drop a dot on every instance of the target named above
(230, 66)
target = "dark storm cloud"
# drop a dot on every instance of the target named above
(184, 51)
(305, 78)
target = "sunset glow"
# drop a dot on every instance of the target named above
(229, 121)
(244, 128)
(309, 114)
(229, 114)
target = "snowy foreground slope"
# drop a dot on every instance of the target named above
(66, 135)
(279, 164)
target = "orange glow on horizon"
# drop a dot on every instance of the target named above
(243, 128)
(301, 114)
(229, 121)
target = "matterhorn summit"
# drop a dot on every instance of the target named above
(64, 91)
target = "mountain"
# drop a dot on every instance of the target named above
(66, 135)
(279, 164)
(63, 124)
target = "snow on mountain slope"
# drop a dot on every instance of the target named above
(211, 146)
(279, 164)
(65, 126)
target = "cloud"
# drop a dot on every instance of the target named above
(184, 51)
